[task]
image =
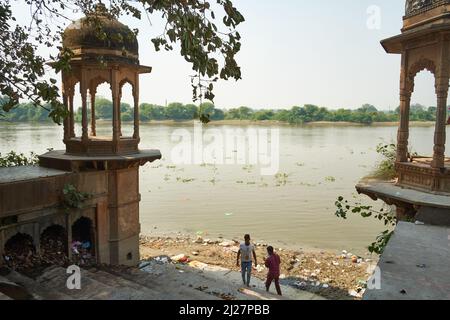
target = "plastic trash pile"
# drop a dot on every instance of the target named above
(81, 253)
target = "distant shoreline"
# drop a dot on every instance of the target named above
(259, 123)
(280, 123)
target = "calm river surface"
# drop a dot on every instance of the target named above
(296, 209)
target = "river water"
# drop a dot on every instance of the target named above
(293, 209)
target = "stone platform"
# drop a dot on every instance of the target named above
(433, 209)
(415, 264)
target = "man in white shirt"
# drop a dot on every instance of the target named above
(246, 250)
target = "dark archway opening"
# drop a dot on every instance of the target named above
(83, 244)
(19, 253)
(54, 246)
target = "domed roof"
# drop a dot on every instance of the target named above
(102, 33)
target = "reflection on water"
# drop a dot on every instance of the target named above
(294, 208)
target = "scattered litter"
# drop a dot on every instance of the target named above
(228, 214)
(162, 259)
(181, 258)
(226, 243)
(198, 240)
(419, 223)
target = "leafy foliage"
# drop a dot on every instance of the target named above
(22, 69)
(191, 24)
(385, 169)
(72, 198)
(14, 159)
(388, 217)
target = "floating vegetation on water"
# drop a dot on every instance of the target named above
(282, 179)
(240, 182)
(300, 164)
(203, 165)
(184, 180)
(251, 183)
(166, 177)
(171, 167)
(248, 168)
(330, 179)
(157, 167)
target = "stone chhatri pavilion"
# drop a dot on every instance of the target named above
(105, 167)
(424, 44)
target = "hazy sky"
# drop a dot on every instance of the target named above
(294, 52)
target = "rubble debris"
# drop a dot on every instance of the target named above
(227, 243)
(333, 277)
(82, 253)
(181, 258)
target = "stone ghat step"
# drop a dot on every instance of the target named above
(35, 289)
(170, 285)
(96, 286)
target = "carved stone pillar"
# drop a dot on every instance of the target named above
(84, 115)
(67, 119)
(120, 112)
(441, 121)
(442, 82)
(406, 89)
(116, 107)
(71, 115)
(92, 92)
(136, 108)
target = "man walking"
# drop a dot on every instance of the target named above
(273, 262)
(246, 251)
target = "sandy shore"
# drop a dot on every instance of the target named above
(333, 275)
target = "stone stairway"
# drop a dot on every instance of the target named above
(154, 282)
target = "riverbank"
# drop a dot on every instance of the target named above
(254, 123)
(287, 124)
(332, 275)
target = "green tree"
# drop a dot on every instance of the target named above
(151, 112)
(263, 115)
(178, 111)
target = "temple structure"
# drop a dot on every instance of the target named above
(415, 262)
(423, 181)
(104, 167)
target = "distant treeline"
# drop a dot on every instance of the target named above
(367, 114)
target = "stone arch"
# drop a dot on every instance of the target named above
(418, 66)
(53, 244)
(125, 81)
(83, 240)
(96, 81)
(19, 249)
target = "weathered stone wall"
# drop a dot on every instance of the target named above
(34, 202)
